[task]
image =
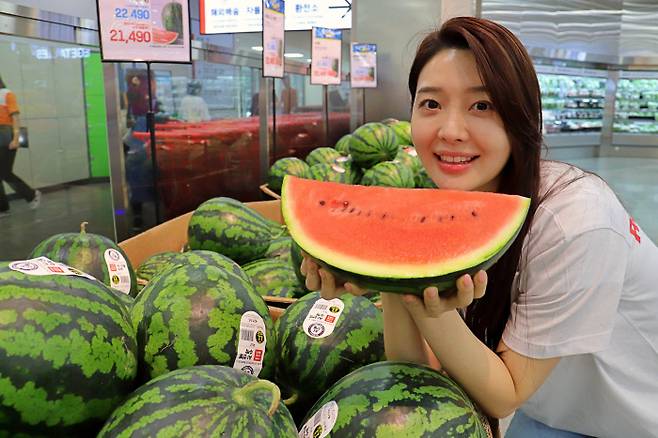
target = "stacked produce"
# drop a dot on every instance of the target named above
(377, 153)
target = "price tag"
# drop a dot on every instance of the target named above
(118, 269)
(364, 65)
(273, 38)
(326, 56)
(251, 344)
(321, 320)
(321, 423)
(44, 266)
(145, 30)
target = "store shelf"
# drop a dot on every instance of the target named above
(636, 108)
(576, 139)
(628, 139)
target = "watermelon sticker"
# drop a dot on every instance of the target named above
(323, 317)
(117, 268)
(338, 168)
(251, 344)
(321, 423)
(44, 266)
(411, 151)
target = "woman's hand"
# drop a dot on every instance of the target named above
(432, 305)
(317, 278)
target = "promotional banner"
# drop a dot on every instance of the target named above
(363, 62)
(326, 56)
(144, 30)
(235, 16)
(273, 38)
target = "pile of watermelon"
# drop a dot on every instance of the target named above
(375, 154)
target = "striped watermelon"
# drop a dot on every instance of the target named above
(68, 354)
(389, 398)
(283, 167)
(423, 180)
(307, 363)
(343, 145)
(409, 157)
(202, 401)
(191, 315)
(332, 172)
(390, 121)
(279, 249)
(91, 253)
(389, 174)
(274, 277)
(323, 155)
(154, 265)
(229, 227)
(373, 143)
(402, 130)
(296, 262)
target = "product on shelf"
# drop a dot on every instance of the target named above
(636, 106)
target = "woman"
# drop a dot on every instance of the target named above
(566, 334)
(9, 138)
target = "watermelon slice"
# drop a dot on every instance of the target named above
(400, 240)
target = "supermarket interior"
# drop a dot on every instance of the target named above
(127, 146)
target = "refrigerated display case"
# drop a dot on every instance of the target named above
(636, 106)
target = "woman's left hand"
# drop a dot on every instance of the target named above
(431, 305)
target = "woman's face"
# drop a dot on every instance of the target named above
(458, 134)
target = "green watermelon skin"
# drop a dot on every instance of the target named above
(296, 259)
(279, 248)
(190, 315)
(402, 130)
(84, 251)
(202, 401)
(229, 227)
(385, 398)
(322, 155)
(343, 144)
(373, 143)
(275, 278)
(409, 157)
(286, 166)
(68, 354)
(389, 174)
(154, 265)
(332, 172)
(423, 180)
(307, 367)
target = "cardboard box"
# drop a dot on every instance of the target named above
(172, 236)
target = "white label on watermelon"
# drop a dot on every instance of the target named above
(323, 317)
(411, 151)
(251, 346)
(44, 266)
(337, 168)
(321, 423)
(341, 160)
(118, 269)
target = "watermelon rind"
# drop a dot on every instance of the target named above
(202, 401)
(402, 278)
(387, 399)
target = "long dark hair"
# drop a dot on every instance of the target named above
(508, 74)
(2, 83)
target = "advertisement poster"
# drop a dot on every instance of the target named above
(273, 38)
(363, 61)
(144, 30)
(326, 56)
(236, 16)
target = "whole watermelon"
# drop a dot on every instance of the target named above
(273, 277)
(285, 166)
(402, 130)
(386, 398)
(229, 227)
(296, 259)
(323, 155)
(192, 314)
(279, 248)
(202, 401)
(373, 143)
(423, 180)
(332, 172)
(389, 174)
(308, 363)
(343, 145)
(154, 265)
(68, 354)
(409, 157)
(93, 254)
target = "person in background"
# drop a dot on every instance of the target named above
(288, 97)
(9, 139)
(566, 335)
(192, 107)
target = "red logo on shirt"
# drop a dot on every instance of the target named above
(635, 230)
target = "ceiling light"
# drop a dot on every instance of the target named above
(293, 55)
(257, 48)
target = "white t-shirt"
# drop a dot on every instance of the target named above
(588, 293)
(194, 109)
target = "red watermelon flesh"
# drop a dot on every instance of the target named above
(384, 234)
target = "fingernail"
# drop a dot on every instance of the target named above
(348, 287)
(467, 282)
(481, 277)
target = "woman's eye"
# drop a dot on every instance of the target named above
(482, 106)
(430, 104)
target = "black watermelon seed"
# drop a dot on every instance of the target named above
(352, 209)
(368, 214)
(422, 219)
(384, 216)
(322, 202)
(452, 217)
(474, 213)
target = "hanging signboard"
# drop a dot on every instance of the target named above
(326, 56)
(363, 63)
(236, 16)
(273, 38)
(144, 30)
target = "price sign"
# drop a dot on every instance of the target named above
(363, 64)
(144, 30)
(326, 56)
(273, 38)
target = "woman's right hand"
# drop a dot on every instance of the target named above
(321, 279)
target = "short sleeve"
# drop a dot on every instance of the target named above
(12, 104)
(568, 296)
